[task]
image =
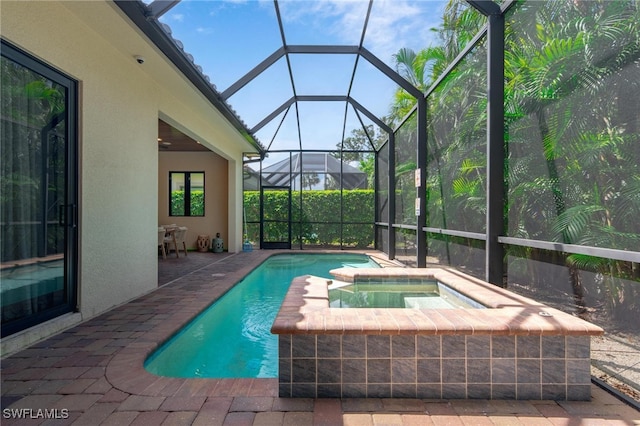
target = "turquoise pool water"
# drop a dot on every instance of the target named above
(232, 338)
(432, 295)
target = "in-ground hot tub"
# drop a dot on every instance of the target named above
(517, 348)
(416, 293)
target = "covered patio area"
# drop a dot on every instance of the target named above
(93, 374)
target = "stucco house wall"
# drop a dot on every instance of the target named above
(120, 103)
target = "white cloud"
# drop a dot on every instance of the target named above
(341, 18)
(397, 24)
(204, 30)
(178, 17)
(393, 24)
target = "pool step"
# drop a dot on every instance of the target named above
(426, 303)
(336, 284)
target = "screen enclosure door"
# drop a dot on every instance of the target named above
(275, 212)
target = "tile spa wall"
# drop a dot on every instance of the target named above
(516, 349)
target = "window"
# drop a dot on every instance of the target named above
(186, 193)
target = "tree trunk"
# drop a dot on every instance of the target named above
(558, 199)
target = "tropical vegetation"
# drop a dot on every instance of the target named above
(321, 218)
(572, 131)
(196, 200)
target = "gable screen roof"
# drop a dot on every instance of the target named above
(284, 172)
(303, 84)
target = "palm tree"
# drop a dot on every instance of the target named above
(565, 82)
(572, 74)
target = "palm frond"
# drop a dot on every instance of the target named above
(570, 225)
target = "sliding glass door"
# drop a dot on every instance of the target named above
(38, 202)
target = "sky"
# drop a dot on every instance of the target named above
(228, 38)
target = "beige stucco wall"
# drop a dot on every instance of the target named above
(120, 104)
(216, 204)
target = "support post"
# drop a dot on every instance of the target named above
(494, 256)
(391, 235)
(421, 236)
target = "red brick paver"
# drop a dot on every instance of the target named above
(93, 374)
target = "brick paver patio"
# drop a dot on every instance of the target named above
(92, 374)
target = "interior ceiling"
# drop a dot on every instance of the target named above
(172, 139)
(341, 96)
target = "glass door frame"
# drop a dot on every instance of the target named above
(67, 211)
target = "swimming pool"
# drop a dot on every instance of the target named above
(232, 338)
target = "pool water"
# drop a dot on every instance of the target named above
(232, 338)
(431, 295)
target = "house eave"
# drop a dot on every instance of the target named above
(143, 18)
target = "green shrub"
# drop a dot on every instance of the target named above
(177, 203)
(319, 221)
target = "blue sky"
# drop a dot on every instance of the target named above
(227, 38)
